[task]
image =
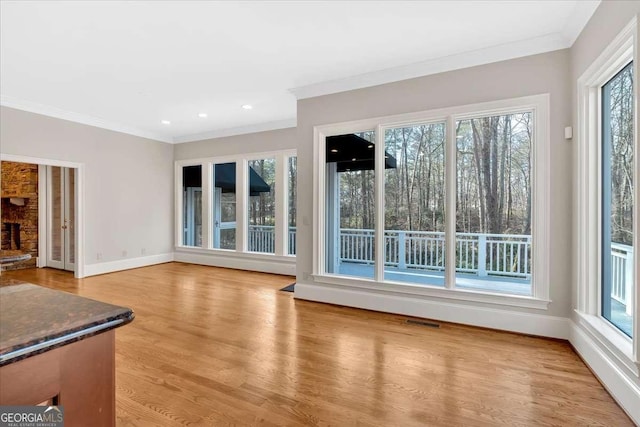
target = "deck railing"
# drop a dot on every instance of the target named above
(262, 238)
(292, 240)
(481, 254)
(622, 274)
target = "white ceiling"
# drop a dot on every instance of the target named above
(129, 65)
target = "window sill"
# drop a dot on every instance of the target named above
(433, 291)
(618, 344)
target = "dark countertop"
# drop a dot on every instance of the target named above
(34, 319)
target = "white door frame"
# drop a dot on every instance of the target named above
(66, 223)
(42, 218)
(46, 252)
(68, 173)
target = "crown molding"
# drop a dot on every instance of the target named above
(240, 130)
(85, 119)
(582, 13)
(458, 61)
(578, 19)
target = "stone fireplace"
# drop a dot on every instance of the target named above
(19, 210)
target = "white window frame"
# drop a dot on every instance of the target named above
(538, 104)
(278, 230)
(242, 194)
(179, 200)
(615, 57)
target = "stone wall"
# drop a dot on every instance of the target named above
(20, 180)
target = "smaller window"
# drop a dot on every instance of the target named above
(224, 206)
(192, 205)
(350, 204)
(494, 196)
(262, 205)
(415, 204)
(292, 183)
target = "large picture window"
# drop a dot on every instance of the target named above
(617, 199)
(460, 201)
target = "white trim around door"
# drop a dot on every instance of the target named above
(79, 211)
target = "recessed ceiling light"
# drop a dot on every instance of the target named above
(353, 160)
(202, 115)
(165, 122)
(334, 150)
(247, 107)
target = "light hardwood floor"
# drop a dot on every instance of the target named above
(212, 346)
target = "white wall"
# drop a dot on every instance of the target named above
(128, 183)
(545, 73)
(607, 21)
(273, 140)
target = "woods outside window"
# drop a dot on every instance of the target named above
(453, 199)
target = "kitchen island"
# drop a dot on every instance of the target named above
(59, 349)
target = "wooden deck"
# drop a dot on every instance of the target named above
(212, 346)
(499, 284)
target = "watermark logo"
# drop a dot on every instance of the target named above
(31, 416)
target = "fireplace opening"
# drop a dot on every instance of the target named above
(11, 236)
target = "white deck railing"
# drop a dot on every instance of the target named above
(481, 254)
(622, 274)
(262, 238)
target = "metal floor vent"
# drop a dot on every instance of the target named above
(423, 323)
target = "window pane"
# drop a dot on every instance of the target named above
(493, 215)
(224, 206)
(192, 205)
(57, 210)
(350, 210)
(262, 205)
(71, 191)
(617, 200)
(293, 191)
(414, 204)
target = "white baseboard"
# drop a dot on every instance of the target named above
(252, 262)
(468, 314)
(622, 386)
(126, 264)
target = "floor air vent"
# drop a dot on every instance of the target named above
(423, 323)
